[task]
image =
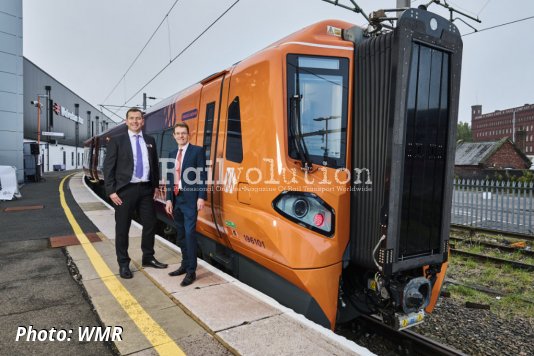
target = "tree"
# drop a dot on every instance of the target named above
(463, 132)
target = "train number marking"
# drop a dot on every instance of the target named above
(254, 241)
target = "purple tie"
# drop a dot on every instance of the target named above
(139, 155)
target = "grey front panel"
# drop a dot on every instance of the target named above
(405, 114)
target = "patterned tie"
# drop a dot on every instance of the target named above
(178, 172)
(139, 156)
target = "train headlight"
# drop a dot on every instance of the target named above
(306, 209)
(300, 207)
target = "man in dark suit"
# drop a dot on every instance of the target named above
(131, 175)
(186, 195)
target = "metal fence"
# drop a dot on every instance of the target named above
(505, 206)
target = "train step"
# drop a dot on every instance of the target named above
(222, 258)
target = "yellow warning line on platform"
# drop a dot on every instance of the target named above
(162, 343)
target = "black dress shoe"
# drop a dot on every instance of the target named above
(178, 272)
(154, 263)
(125, 272)
(189, 278)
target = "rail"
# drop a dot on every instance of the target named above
(415, 344)
(495, 246)
(501, 261)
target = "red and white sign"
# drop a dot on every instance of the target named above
(63, 111)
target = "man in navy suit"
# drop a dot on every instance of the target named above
(186, 195)
(131, 175)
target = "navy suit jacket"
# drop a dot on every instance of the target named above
(119, 162)
(193, 175)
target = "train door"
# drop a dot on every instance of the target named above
(94, 158)
(88, 158)
(211, 138)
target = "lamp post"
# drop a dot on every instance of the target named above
(144, 100)
(77, 132)
(38, 105)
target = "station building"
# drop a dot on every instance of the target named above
(63, 122)
(41, 121)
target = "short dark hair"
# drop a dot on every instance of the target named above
(135, 110)
(180, 124)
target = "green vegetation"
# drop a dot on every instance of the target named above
(527, 176)
(463, 132)
(474, 247)
(516, 287)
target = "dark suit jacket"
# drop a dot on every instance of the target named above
(193, 185)
(119, 162)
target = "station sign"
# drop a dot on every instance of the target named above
(63, 111)
(52, 134)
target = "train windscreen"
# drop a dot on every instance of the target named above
(318, 89)
(426, 143)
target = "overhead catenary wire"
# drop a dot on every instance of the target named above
(113, 113)
(500, 25)
(182, 51)
(141, 51)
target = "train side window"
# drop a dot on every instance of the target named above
(157, 137)
(208, 129)
(234, 144)
(101, 157)
(168, 143)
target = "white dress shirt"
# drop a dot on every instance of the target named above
(181, 163)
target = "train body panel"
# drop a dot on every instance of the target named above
(285, 143)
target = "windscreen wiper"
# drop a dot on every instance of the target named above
(296, 133)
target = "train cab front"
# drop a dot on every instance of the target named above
(405, 103)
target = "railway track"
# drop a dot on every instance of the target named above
(483, 289)
(497, 260)
(410, 342)
(473, 230)
(499, 247)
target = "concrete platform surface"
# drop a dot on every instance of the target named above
(216, 315)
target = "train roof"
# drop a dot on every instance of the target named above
(115, 130)
(317, 33)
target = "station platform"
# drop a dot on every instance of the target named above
(216, 315)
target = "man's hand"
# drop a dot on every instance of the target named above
(200, 204)
(168, 207)
(115, 199)
(157, 193)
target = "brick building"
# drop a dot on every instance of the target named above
(480, 159)
(515, 123)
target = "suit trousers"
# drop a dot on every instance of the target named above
(185, 219)
(135, 197)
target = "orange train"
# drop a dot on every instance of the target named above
(329, 157)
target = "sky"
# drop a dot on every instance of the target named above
(90, 45)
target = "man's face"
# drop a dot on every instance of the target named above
(181, 136)
(135, 121)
